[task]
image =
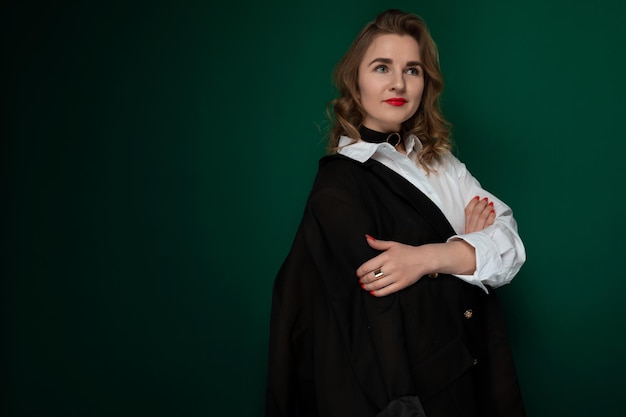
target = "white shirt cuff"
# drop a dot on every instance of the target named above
(488, 261)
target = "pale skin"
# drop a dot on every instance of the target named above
(391, 68)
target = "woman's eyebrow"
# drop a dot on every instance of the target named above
(381, 60)
(390, 61)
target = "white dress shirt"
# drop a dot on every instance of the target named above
(500, 252)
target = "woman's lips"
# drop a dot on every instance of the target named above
(396, 101)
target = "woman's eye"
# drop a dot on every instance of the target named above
(413, 71)
(380, 68)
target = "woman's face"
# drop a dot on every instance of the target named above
(391, 82)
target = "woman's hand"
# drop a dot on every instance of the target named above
(397, 267)
(479, 214)
(400, 265)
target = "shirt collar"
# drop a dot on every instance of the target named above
(362, 151)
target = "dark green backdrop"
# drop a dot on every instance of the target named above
(156, 159)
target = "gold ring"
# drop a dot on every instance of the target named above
(378, 273)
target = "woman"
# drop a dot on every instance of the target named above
(382, 306)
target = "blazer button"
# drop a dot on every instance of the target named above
(468, 314)
(475, 361)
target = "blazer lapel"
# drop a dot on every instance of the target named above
(422, 204)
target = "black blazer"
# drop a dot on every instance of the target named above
(335, 350)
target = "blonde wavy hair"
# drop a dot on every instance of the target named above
(428, 124)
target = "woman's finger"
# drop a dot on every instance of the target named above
(383, 268)
(387, 290)
(476, 214)
(379, 283)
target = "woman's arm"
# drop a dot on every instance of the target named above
(498, 250)
(402, 265)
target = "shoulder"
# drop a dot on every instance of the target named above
(339, 168)
(337, 184)
(336, 172)
(338, 161)
(341, 177)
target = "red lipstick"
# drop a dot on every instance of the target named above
(396, 101)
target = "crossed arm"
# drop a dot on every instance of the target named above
(403, 265)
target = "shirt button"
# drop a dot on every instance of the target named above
(468, 314)
(475, 361)
(434, 275)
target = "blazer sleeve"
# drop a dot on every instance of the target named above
(369, 330)
(334, 348)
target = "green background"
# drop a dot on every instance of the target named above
(156, 159)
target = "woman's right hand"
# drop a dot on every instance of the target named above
(479, 214)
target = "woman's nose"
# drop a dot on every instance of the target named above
(398, 84)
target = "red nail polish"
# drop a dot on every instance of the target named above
(476, 198)
(369, 237)
(493, 211)
(485, 199)
(491, 204)
(371, 292)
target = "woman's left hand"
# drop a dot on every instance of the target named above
(397, 267)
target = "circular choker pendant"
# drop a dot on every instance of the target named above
(394, 139)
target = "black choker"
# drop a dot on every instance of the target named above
(372, 136)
